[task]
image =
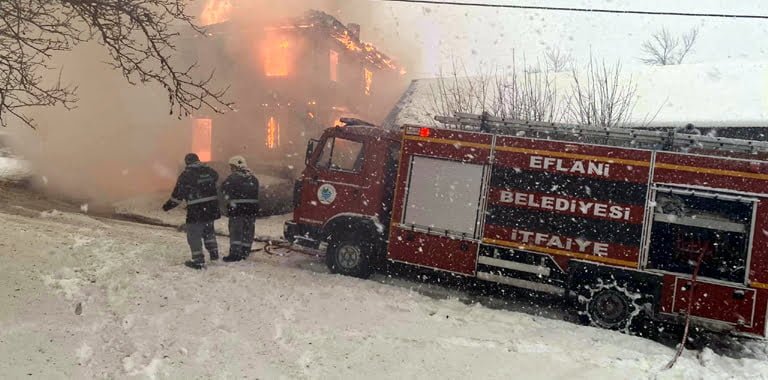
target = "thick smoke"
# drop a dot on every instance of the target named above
(112, 145)
(121, 140)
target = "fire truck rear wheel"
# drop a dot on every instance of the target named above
(349, 257)
(608, 307)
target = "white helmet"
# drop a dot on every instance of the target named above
(238, 162)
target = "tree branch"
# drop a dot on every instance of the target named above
(138, 35)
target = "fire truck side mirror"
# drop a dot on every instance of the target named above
(310, 148)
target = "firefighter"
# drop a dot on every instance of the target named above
(197, 186)
(240, 192)
(689, 129)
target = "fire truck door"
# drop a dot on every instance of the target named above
(441, 220)
(334, 184)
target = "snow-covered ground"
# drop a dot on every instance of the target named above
(84, 297)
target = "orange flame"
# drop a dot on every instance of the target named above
(368, 81)
(277, 56)
(216, 11)
(273, 133)
(371, 54)
(348, 42)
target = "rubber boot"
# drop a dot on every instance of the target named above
(232, 258)
(234, 255)
(194, 264)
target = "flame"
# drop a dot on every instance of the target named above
(277, 56)
(273, 133)
(216, 11)
(348, 42)
(372, 55)
(201, 139)
(368, 81)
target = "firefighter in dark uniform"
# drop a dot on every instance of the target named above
(689, 129)
(197, 186)
(241, 194)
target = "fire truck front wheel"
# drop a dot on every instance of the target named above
(608, 306)
(349, 257)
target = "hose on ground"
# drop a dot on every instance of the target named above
(270, 245)
(681, 347)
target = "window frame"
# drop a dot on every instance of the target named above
(329, 166)
(750, 224)
(482, 189)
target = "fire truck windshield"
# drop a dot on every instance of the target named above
(341, 154)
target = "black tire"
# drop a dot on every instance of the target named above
(608, 306)
(350, 257)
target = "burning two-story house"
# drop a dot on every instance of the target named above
(290, 79)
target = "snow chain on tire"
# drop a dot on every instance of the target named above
(595, 292)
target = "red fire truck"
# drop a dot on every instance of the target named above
(627, 221)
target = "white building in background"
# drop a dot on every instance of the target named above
(731, 97)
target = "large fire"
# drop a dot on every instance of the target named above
(216, 11)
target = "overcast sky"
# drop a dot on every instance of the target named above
(430, 35)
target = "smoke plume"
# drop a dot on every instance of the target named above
(121, 140)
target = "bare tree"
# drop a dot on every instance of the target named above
(530, 95)
(138, 35)
(665, 49)
(558, 60)
(601, 96)
(520, 94)
(456, 91)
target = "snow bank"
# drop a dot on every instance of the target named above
(13, 169)
(144, 315)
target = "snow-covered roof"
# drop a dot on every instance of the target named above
(732, 94)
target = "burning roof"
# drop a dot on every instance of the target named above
(349, 39)
(215, 12)
(315, 20)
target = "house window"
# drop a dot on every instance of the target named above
(201, 139)
(277, 56)
(273, 133)
(334, 65)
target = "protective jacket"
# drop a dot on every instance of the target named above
(241, 193)
(197, 186)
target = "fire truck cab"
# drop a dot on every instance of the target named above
(654, 228)
(343, 199)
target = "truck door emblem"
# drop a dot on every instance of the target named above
(326, 194)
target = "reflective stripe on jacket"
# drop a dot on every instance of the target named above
(241, 193)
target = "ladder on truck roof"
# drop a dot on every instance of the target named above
(624, 137)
